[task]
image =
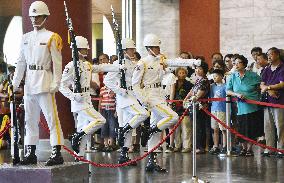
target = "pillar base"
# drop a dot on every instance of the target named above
(68, 172)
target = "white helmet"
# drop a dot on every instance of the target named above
(151, 40)
(82, 42)
(127, 43)
(38, 8)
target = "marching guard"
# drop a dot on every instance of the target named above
(130, 113)
(41, 60)
(89, 120)
(146, 82)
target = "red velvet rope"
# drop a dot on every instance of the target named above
(240, 135)
(126, 163)
(174, 128)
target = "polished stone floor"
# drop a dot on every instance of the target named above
(210, 168)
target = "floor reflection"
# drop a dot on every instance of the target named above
(179, 165)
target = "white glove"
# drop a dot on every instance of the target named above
(123, 92)
(15, 89)
(122, 66)
(197, 63)
(193, 98)
(53, 88)
(78, 97)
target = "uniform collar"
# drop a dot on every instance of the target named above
(38, 31)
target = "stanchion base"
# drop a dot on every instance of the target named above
(197, 180)
(232, 154)
(68, 172)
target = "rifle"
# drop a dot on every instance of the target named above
(119, 50)
(15, 125)
(75, 54)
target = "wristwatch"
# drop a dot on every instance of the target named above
(268, 88)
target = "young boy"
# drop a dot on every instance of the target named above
(218, 90)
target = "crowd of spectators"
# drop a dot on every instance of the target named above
(261, 79)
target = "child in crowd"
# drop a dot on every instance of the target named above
(218, 90)
(108, 110)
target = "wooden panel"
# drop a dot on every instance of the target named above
(10, 8)
(200, 27)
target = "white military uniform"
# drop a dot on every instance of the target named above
(88, 119)
(129, 110)
(41, 58)
(146, 82)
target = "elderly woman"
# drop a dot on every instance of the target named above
(244, 84)
(200, 90)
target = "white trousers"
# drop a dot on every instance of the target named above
(46, 103)
(89, 120)
(133, 115)
(274, 117)
(164, 117)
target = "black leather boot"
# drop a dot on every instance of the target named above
(76, 140)
(146, 134)
(124, 157)
(55, 157)
(153, 166)
(121, 134)
(30, 157)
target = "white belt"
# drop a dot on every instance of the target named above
(155, 85)
(38, 67)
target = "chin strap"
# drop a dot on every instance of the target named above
(40, 24)
(84, 56)
(130, 58)
(153, 52)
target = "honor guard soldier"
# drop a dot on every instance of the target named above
(89, 120)
(41, 60)
(130, 113)
(146, 82)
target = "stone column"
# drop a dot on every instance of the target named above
(161, 18)
(80, 12)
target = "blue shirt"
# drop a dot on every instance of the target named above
(218, 91)
(248, 86)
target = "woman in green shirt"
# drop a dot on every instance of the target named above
(245, 84)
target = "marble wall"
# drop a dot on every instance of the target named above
(160, 17)
(249, 23)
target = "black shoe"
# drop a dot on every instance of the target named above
(243, 152)
(265, 154)
(121, 134)
(30, 157)
(214, 151)
(153, 166)
(55, 157)
(223, 150)
(76, 140)
(123, 158)
(280, 155)
(146, 134)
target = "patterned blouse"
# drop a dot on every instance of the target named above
(202, 84)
